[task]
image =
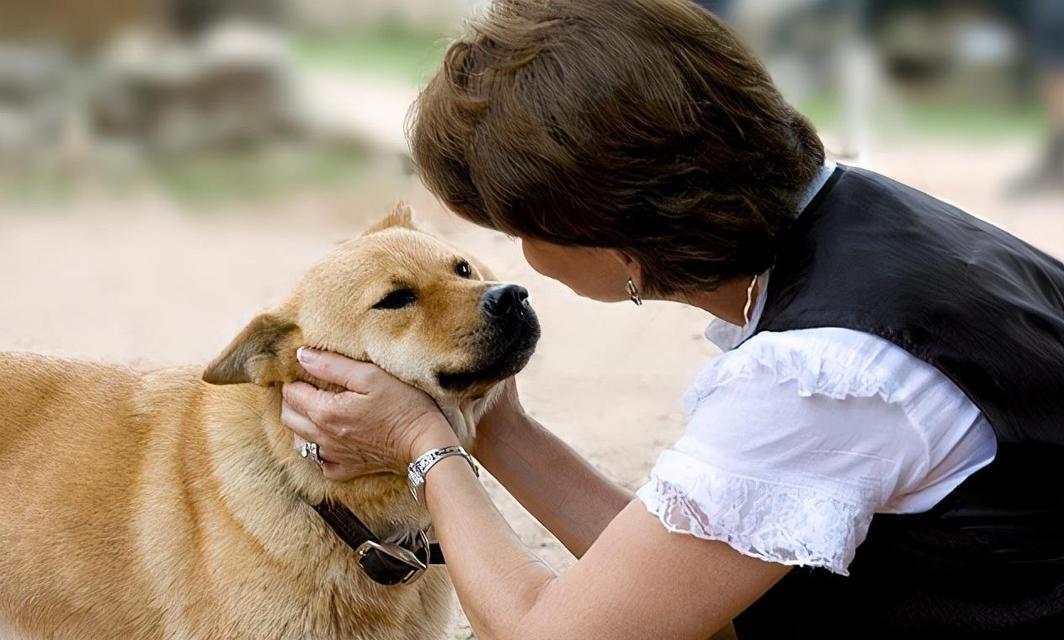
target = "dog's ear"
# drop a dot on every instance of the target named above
(264, 353)
(401, 215)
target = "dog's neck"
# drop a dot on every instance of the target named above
(382, 501)
(463, 419)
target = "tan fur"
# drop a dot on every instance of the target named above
(157, 505)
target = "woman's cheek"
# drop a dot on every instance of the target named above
(534, 259)
(545, 268)
(580, 281)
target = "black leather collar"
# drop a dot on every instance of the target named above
(385, 563)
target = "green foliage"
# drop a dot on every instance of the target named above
(388, 50)
(241, 176)
(940, 119)
(201, 180)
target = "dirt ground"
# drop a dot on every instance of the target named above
(143, 283)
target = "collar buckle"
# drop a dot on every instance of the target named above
(389, 563)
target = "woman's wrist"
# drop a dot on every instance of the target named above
(434, 433)
(499, 429)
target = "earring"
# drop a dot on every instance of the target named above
(633, 293)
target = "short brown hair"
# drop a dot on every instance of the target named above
(638, 125)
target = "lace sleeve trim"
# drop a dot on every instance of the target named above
(775, 522)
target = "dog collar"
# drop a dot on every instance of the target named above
(386, 563)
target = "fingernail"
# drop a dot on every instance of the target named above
(305, 355)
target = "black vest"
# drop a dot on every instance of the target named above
(987, 310)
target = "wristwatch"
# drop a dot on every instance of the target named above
(417, 469)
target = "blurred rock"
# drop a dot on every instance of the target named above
(230, 85)
(343, 108)
(441, 16)
(962, 54)
(34, 99)
(191, 18)
(78, 25)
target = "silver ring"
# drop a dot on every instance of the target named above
(310, 450)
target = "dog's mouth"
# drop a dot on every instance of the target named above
(504, 349)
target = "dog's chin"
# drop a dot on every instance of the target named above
(502, 359)
(480, 378)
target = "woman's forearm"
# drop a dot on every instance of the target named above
(497, 579)
(637, 581)
(553, 482)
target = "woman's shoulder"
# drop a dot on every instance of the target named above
(796, 439)
(828, 361)
(819, 399)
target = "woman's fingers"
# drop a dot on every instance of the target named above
(305, 431)
(301, 425)
(371, 428)
(337, 472)
(331, 367)
(315, 404)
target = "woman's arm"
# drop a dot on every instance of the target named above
(636, 581)
(562, 490)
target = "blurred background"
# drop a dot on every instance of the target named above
(216, 103)
(170, 167)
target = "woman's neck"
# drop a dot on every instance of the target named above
(726, 302)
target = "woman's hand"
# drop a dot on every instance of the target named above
(504, 416)
(377, 426)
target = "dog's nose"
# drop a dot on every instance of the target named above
(499, 301)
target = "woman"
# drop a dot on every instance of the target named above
(876, 454)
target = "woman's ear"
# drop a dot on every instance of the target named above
(631, 267)
(264, 353)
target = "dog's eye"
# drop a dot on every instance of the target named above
(397, 299)
(463, 269)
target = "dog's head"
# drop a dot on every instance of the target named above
(403, 299)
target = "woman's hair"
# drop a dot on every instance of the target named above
(638, 125)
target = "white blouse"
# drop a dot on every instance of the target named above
(796, 438)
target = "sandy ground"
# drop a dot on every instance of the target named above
(142, 283)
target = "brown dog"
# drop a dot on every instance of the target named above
(163, 505)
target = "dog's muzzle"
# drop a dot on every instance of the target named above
(504, 342)
(509, 299)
